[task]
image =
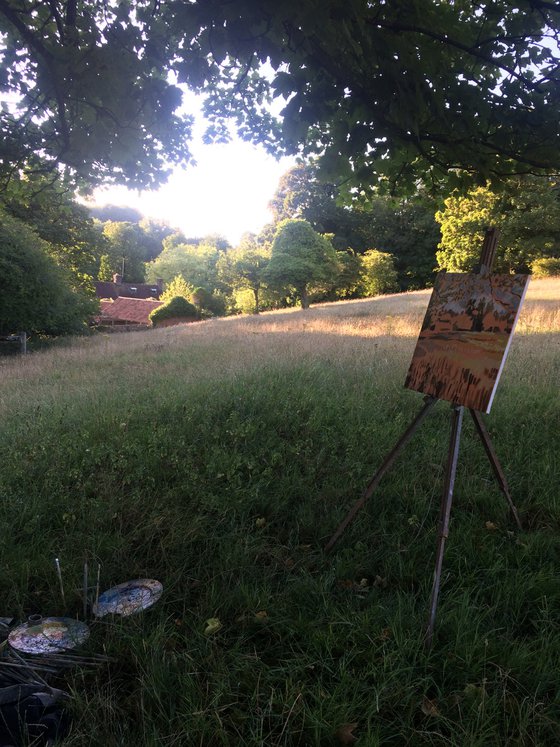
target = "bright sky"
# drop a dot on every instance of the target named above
(227, 192)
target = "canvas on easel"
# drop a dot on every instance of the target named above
(465, 337)
(459, 357)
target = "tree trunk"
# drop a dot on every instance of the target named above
(304, 297)
(256, 294)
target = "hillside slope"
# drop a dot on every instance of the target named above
(218, 458)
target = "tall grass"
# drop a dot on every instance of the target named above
(219, 457)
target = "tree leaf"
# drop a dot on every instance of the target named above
(213, 625)
(429, 707)
(345, 733)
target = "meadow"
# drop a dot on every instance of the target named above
(219, 457)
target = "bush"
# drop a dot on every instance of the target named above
(37, 294)
(177, 307)
(546, 267)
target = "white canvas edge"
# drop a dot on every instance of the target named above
(506, 351)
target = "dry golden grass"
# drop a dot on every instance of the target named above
(351, 333)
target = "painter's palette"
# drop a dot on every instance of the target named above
(49, 635)
(128, 598)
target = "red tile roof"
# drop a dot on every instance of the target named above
(131, 310)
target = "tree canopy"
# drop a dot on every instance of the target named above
(384, 92)
(527, 213)
(300, 259)
(245, 267)
(88, 93)
(378, 273)
(195, 263)
(403, 227)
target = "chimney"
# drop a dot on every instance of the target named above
(117, 279)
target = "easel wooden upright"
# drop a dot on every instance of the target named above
(457, 411)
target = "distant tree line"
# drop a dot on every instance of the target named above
(315, 249)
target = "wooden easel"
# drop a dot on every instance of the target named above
(457, 411)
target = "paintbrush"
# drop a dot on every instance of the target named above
(85, 592)
(97, 584)
(57, 563)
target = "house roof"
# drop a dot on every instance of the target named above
(106, 289)
(132, 310)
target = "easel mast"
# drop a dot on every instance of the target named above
(485, 266)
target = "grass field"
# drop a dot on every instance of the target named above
(218, 458)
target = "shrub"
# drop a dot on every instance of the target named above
(546, 267)
(36, 294)
(177, 307)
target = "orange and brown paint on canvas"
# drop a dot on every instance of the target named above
(465, 337)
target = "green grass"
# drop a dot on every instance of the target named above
(219, 458)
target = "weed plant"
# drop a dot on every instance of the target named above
(219, 458)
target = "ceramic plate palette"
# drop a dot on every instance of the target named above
(128, 598)
(48, 636)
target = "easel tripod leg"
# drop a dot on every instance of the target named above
(495, 464)
(376, 479)
(445, 513)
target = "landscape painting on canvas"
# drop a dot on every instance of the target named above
(465, 337)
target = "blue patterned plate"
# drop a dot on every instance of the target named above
(128, 598)
(49, 635)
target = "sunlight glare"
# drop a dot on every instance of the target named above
(226, 192)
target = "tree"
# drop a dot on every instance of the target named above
(154, 232)
(302, 194)
(348, 279)
(244, 268)
(177, 288)
(527, 212)
(195, 263)
(106, 268)
(116, 213)
(378, 274)
(143, 236)
(176, 238)
(37, 294)
(89, 93)
(126, 249)
(208, 304)
(385, 92)
(404, 227)
(300, 259)
(546, 267)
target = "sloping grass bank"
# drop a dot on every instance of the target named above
(219, 458)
